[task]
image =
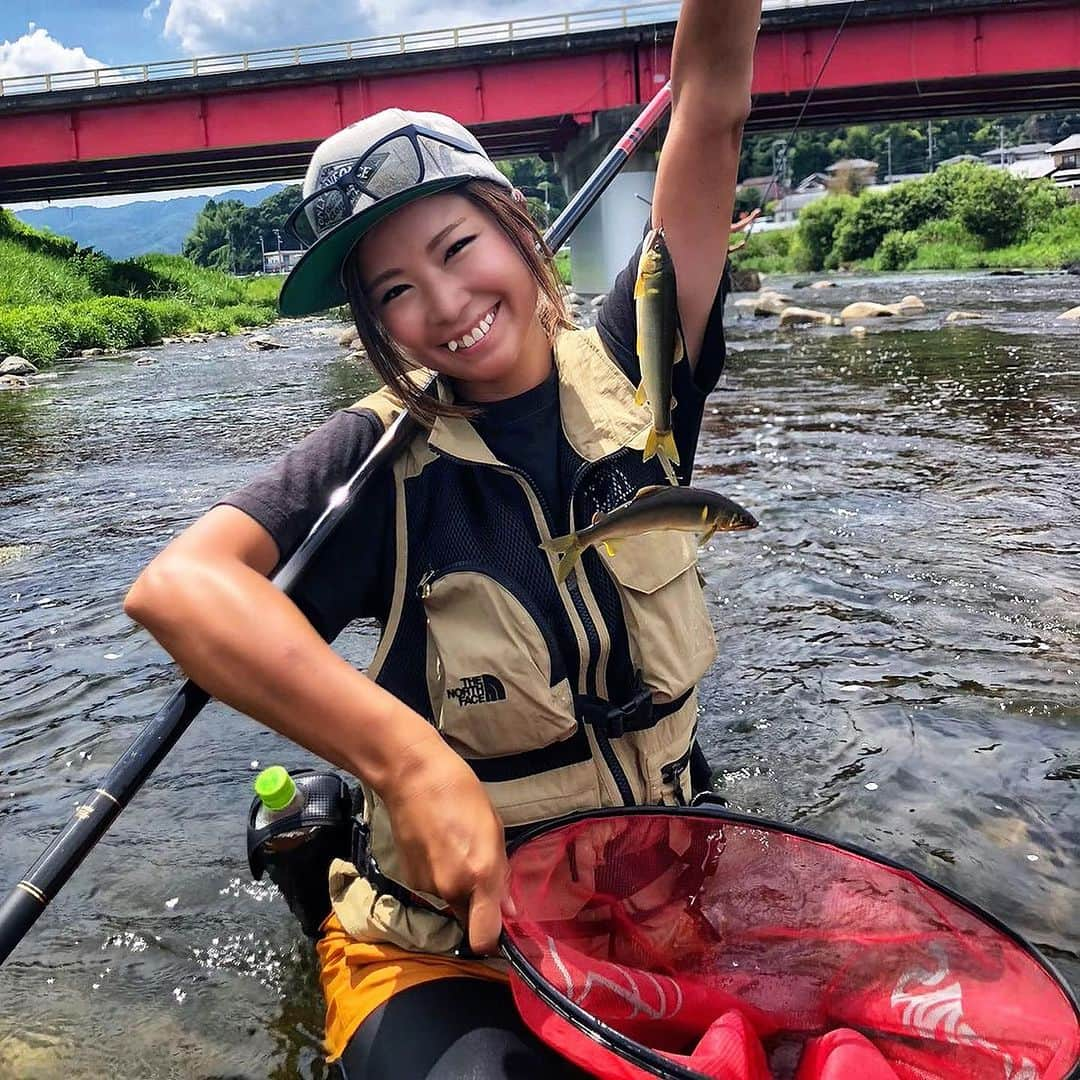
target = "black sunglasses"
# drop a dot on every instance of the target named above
(382, 170)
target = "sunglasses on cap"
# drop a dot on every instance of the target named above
(392, 164)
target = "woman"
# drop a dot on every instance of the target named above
(498, 696)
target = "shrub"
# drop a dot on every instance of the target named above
(897, 250)
(990, 204)
(816, 234)
(864, 225)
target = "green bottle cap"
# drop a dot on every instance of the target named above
(275, 787)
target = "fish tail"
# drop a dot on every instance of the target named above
(568, 549)
(664, 445)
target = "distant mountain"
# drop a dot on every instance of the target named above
(134, 228)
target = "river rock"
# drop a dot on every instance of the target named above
(768, 302)
(193, 339)
(823, 285)
(1008, 273)
(13, 382)
(171, 341)
(866, 309)
(348, 336)
(265, 344)
(1073, 268)
(87, 353)
(910, 305)
(573, 299)
(10, 553)
(1073, 314)
(596, 301)
(142, 361)
(963, 316)
(17, 365)
(859, 331)
(798, 316)
(745, 281)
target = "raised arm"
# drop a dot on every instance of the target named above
(711, 68)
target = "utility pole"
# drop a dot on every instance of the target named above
(930, 144)
(1001, 151)
(888, 143)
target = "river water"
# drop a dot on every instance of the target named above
(899, 648)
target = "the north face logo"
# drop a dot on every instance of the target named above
(477, 689)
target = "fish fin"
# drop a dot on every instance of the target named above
(559, 545)
(608, 547)
(649, 489)
(680, 347)
(569, 561)
(639, 287)
(640, 397)
(663, 445)
(651, 445)
(567, 549)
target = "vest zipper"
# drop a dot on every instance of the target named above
(592, 636)
(607, 751)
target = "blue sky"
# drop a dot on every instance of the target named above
(63, 35)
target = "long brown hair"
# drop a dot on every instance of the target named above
(386, 357)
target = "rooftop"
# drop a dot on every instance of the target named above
(1071, 143)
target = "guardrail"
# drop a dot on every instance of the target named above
(533, 26)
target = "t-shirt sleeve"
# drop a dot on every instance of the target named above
(617, 326)
(348, 577)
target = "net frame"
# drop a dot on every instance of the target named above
(711, 808)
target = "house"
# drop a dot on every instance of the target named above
(960, 159)
(769, 187)
(280, 262)
(865, 172)
(1009, 155)
(1066, 155)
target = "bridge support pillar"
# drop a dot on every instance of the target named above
(611, 230)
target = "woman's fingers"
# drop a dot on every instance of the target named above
(485, 916)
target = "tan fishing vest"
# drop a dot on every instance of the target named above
(516, 670)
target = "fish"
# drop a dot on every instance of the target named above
(659, 341)
(658, 507)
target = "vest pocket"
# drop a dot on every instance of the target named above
(671, 637)
(495, 677)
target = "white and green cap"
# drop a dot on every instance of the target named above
(360, 175)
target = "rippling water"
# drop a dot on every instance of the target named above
(899, 649)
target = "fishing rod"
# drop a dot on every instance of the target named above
(92, 818)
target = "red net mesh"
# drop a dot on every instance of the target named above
(744, 952)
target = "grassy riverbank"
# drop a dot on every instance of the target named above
(57, 299)
(962, 217)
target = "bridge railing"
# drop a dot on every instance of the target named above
(532, 26)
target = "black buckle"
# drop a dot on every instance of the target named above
(614, 721)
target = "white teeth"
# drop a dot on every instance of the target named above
(474, 335)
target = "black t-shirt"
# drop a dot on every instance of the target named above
(352, 575)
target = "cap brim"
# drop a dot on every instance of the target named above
(314, 283)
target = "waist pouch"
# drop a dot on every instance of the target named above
(299, 865)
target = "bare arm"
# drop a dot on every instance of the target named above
(711, 68)
(207, 600)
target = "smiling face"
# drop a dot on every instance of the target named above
(453, 291)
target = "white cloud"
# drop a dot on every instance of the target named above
(148, 11)
(37, 53)
(204, 27)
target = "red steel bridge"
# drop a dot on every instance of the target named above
(525, 86)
